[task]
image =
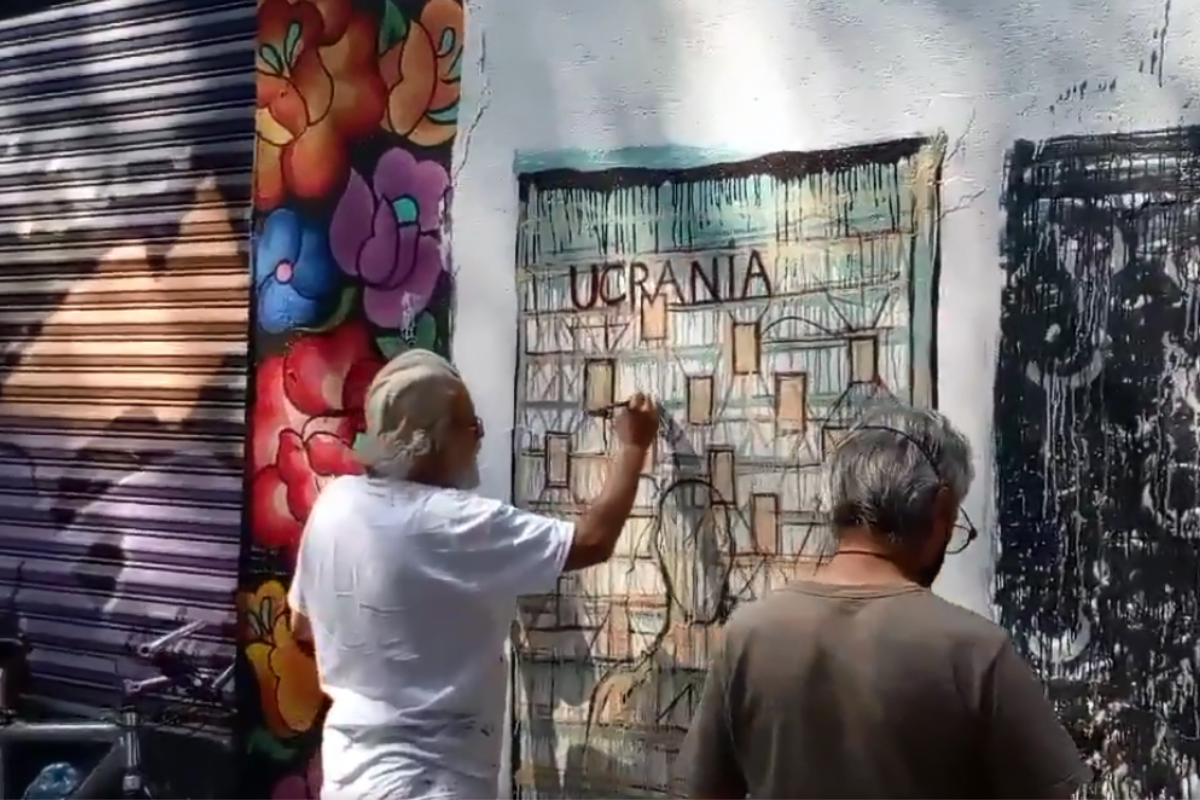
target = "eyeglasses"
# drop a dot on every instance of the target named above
(964, 532)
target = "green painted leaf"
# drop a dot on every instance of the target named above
(392, 28)
(290, 41)
(425, 333)
(444, 116)
(344, 307)
(271, 56)
(446, 42)
(454, 71)
(261, 741)
(391, 346)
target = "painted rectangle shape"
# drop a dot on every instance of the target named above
(864, 359)
(700, 399)
(558, 460)
(764, 522)
(791, 401)
(654, 318)
(722, 475)
(831, 437)
(746, 352)
(599, 385)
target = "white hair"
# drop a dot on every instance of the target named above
(408, 411)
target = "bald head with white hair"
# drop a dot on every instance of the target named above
(421, 424)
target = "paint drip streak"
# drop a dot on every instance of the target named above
(1097, 413)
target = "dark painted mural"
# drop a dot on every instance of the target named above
(1097, 418)
(357, 108)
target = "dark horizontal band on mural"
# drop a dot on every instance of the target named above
(784, 166)
(121, 207)
(135, 429)
(174, 330)
(231, 362)
(214, 160)
(61, 26)
(216, 392)
(35, 528)
(196, 302)
(160, 226)
(36, 274)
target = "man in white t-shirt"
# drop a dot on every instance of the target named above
(407, 583)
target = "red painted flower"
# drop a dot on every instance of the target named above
(307, 412)
(318, 87)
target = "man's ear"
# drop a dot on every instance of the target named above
(945, 510)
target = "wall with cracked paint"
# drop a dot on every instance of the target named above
(1027, 97)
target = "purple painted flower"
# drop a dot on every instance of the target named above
(387, 234)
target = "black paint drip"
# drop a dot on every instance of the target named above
(1097, 418)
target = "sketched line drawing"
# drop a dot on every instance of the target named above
(765, 303)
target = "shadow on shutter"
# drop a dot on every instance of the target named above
(126, 136)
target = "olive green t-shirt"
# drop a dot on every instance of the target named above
(827, 691)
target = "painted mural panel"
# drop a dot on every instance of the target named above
(357, 112)
(1097, 449)
(765, 303)
(124, 185)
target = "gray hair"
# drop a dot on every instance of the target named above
(887, 471)
(407, 412)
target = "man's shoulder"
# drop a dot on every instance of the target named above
(964, 625)
(910, 608)
(458, 504)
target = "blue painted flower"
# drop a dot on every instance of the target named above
(295, 275)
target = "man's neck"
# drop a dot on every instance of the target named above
(424, 477)
(860, 561)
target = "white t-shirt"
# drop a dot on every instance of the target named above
(411, 591)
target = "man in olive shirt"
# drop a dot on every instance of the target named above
(860, 682)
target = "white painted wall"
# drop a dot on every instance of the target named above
(766, 75)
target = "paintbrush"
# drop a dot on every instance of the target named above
(611, 410)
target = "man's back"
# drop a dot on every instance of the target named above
(838, 691)
(409, 591)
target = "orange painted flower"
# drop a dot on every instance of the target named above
(318, 88)
(422, 69)
(286, 674)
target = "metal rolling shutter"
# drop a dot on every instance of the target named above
(126, 140)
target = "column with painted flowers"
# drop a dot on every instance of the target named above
(356, 115)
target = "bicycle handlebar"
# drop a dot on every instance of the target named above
(226, 675)
(150, 648)
(176, 673)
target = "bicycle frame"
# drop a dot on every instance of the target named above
(123, 760)
(121, 764)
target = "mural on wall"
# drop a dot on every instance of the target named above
(765, 303)
(123, 194)
(356, 116)
(1097, 449)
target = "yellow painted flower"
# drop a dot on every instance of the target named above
(287, 675)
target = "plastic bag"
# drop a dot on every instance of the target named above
(56, 781)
